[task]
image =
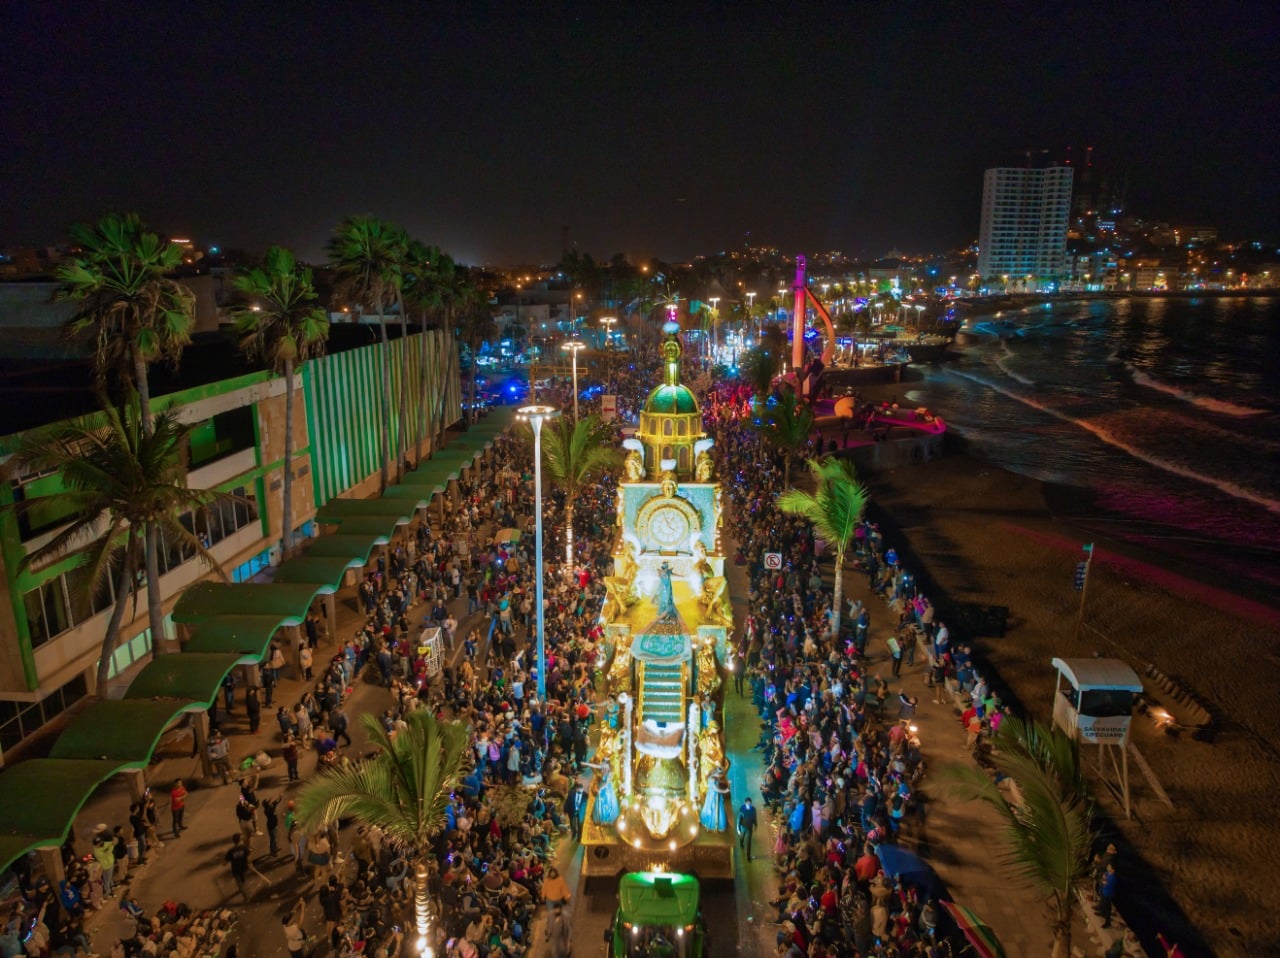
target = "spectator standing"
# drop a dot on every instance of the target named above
(237, 857)
(295, 939)
(253, 708)
(290, 756)
(746, 825)
(229, 691)
(271, 819)
(575, 805)
(559, 933)
(219, 759)
(338, 725)
(178, 806)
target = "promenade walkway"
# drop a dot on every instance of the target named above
(191, 869)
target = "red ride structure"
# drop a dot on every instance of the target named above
(804, 298)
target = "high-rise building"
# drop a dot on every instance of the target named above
(1025, 215)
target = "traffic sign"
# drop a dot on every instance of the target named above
(773, 560)
(1082, 573)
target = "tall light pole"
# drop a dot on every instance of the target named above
(608, 322)
(715, 323)
(574, 346)
(751, 305)
(535, 416)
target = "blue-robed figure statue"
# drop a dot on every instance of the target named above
(666, 595)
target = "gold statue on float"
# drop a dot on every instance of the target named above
(710, 755)
(620, 587)
(708, 672)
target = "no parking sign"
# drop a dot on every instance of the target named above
(773, 560)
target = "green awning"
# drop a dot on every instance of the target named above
(120, 730)
(241, 635)
(435, 472)
(378, 528)
(207, 600)
(413, 497)
(323, 571)
(355, 548)
(339, 510)
(39, 799)
(194, 676)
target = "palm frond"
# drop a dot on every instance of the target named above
(1048, 834)
(404, 789)
(575, 453)
(835, 506)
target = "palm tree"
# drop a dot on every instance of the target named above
(365, 253)
(475, 325)
(401, 247)
(785, 425)
(424, 267)
(455, 289)
(283, 326)
(759, 367)
(135, 315)
(115, 469)
(403, 790)
(1049, 831)
(575, 454)
(834, 509)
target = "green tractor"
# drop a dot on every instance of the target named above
(658, 917)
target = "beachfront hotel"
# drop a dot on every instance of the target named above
(1022, 239)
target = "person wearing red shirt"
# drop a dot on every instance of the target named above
(178, 806)
(830, 901)
(865, 868)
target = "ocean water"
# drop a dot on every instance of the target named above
(1166, 412)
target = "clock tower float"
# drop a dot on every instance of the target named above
(660, 796)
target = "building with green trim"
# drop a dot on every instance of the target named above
(52, 621)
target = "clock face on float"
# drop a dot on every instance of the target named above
(669, 528)
(667, 524)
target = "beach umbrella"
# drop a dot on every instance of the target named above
(978, 932)
(507, 535)
(911, 868)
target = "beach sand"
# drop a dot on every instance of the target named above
(1204, 871)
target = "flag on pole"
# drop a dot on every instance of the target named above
(1088, 547)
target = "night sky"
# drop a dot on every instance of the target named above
(648, 129)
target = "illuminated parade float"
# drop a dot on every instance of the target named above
(661, 795)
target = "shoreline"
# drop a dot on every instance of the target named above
(979, 535)
(1121, 534)
(1013, 302)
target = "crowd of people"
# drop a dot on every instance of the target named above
(841, 758)
(840, 751)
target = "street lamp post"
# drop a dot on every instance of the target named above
(574, 346)
(608, 322)
(751, 304)
(715, 323)
(535, 416)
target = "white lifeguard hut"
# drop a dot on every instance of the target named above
(1093, 703)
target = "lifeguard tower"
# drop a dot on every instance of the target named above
(1093, 703)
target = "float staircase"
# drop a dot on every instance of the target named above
(662, 693)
